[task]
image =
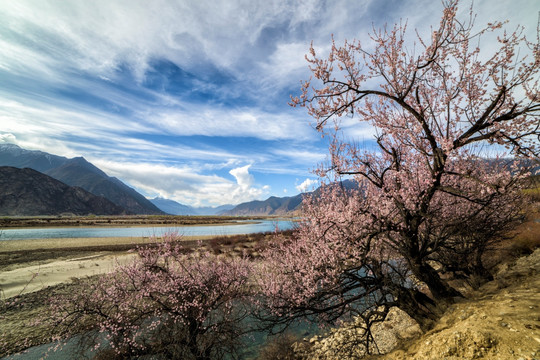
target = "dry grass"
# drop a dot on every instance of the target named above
(120, 221)
(522, 241)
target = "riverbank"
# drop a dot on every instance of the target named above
(110, 243)
(30, 265)
(501, 320)
(120, 221)
(60, 260)
(34, 277)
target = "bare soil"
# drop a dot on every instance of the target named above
(501, 320)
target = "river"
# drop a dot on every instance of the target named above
(241, 227)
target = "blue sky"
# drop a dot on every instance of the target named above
(188, 99)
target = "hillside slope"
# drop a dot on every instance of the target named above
(27, 192)
(172, 207)
(499, 321)
(78, 172)
(502, 320)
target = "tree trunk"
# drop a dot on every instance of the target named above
(479, 268)
(439, 289)
(418, 306)
(193, 329)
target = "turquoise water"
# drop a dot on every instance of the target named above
(242, 227)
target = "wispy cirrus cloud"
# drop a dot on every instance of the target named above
(194, 90)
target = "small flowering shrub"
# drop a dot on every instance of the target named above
(166, 303)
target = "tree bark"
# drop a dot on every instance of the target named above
(418, 306)
(440, 290)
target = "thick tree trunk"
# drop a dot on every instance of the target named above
(418, 306)
(193, 346)
(440, 290)
(479, 268)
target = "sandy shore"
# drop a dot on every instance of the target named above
(35, 277)
(32, 275)
(35, 244)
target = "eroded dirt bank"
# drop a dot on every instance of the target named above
(500, 321)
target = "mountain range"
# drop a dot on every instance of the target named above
(27, 192)
(82, 175)
(271, 206)
(175, 208)
(78, 172)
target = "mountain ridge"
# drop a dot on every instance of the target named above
(272, 206)
(28, 192)
(78, 172)
(175, 208)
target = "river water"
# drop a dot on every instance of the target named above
(241, 227)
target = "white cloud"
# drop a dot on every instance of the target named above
(218, 121)
(101, 36)
(307, 185)
(7, 138)
(184, 184)
(307, 157)
(236, 36)
(243, 178)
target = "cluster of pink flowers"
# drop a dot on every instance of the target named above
(168, 301)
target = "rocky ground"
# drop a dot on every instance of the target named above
(500, 321)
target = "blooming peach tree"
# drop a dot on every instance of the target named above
(427, 197)
(165, 303)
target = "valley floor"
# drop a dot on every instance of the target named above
(33, 271)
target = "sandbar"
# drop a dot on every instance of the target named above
(36, 277)
(32, 275)
(59, 243)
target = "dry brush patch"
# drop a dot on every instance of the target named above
(124, 220)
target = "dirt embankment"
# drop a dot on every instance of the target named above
(501, 320)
